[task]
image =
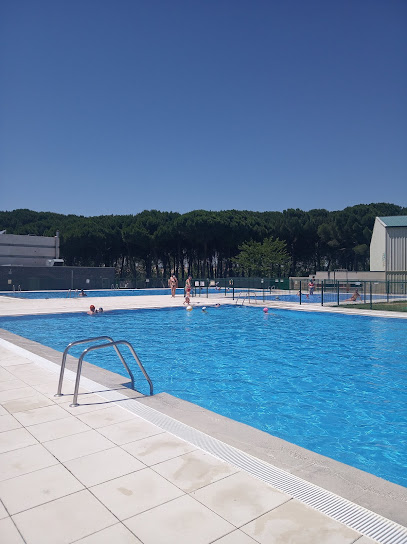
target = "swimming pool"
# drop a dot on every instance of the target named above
(240, 295)
(89, 293)
(334, 384)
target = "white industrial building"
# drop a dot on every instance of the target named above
(388, 254)
(27, 250)
(388, 247)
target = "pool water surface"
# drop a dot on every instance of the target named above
(334, 384)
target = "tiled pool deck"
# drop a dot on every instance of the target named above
(101, 473)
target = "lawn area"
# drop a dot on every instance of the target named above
(383, 306)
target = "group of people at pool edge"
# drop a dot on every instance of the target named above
(173, 284)
(311, 289)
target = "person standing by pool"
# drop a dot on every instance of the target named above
(173, 284)
(311, 286)
(188, 286)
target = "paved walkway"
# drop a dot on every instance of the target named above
(98, 473)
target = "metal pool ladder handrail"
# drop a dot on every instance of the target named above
(111, 343)
(246, 295)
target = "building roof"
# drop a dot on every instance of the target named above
(394, 221)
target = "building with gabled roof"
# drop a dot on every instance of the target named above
(388, 247)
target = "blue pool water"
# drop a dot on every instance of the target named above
(89, 293)
(334, 384)
(239, 294)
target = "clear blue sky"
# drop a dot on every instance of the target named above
(116, 106)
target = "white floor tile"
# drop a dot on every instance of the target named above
(158, 448)
(87, 403)
(17, 393)
(15, 439)
(37, 488)
(8, 422)
(103, 466)
(3, 511)
(5, 375)
(240, 498)
(13, 360)
(59, 428)
(64, 520)
(135, 493)
(9, 533)
(115, 534)
(13, 383)
(237, 537)
(25, 460)
(129, 431)
(40, 415)
(193, 470)
(183, 520)
(294, 518)
(28, 403)
(107, 416)
(81, 444)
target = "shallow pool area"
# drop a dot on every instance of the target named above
(334, 384)
(89, 293)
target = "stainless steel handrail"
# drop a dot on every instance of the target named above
(100, 346)
(246, 296)
(111, 343)
(77, 342)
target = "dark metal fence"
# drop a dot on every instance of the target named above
(371, 294)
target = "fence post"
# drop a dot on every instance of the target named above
(322, 293)
(388, 290)
(338, 292)
(371, 299)
(300, 290)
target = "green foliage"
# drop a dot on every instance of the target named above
(211, 244)
(262, 258)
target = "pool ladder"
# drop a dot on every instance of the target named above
(110, 343)
(245, 296)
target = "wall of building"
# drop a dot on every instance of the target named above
(36, 278)
(25, 250)
(378, 247)
(396, 254)
(350, 275)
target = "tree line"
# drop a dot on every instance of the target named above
(208, 244)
